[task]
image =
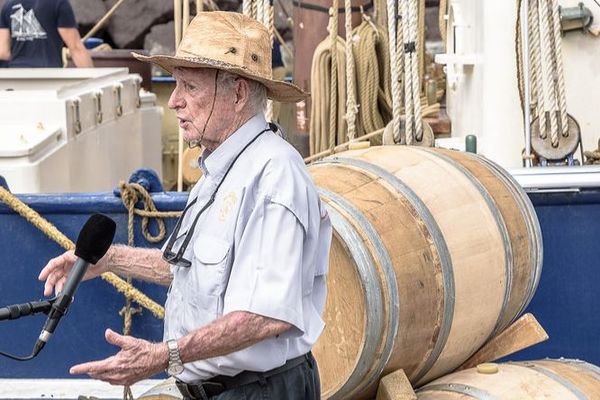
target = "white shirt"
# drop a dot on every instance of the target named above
(261, 247)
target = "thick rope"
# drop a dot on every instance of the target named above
(129, 197)
(548, 98)
(421, 40)
(393, 34)
(442, 20)
(321, 87)
(371, 55)
(131, 193)
(263, 12)
(53, 233)
(270, 24)
(260, 11)
(417, 32)
(247, 7)
(351, 107)
(537, 88)
(409, 48)
(558, 67)
(333, 38)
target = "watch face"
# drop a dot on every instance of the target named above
(175, 369)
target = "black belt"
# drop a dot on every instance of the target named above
(221, 383)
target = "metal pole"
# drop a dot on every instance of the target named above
(178, 10)
(526, 89)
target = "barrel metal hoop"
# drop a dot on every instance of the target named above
(439, 242)
(390, 283)
(373, 299)
(508, 254)
(590, 367)
(595, 370)
(533, 227)
(559, 379)
(459, 388)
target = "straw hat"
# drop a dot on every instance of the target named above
(231, 42)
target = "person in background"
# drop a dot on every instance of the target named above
(32, 33)
(247, 260)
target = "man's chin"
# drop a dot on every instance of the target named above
(191, 140)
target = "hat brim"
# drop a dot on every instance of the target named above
(276, 90)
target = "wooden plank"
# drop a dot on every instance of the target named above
(395, 386)
(523, 333)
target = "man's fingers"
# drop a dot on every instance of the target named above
(59, 285)
(55, 272)
(113, 337)
(92, 367)
(50, 283)
(50, 267)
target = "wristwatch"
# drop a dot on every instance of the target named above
(175, 366)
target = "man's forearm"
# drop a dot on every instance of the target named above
(232, 332)
(144, 264)
(81, 58)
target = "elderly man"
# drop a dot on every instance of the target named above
(247, 259)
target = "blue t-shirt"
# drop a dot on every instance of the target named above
(33, 24)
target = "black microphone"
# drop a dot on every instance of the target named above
(93, 242)
(20, 310)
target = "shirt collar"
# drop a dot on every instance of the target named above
(215, 163)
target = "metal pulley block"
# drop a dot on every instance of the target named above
(564, 150)
(575, 18)
(427, 140)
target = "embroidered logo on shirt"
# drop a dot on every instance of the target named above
(25, 26)
(228, 204)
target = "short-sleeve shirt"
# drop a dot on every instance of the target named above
(33, 25)
(261, 247)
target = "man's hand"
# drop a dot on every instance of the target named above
(56, 271)
(137, 360)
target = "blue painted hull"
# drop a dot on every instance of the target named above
(24, 250)
(566, 302)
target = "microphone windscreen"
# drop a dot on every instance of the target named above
(95, 238)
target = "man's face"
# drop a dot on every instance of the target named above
(193, 99)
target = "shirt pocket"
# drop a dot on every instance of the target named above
(206, 281)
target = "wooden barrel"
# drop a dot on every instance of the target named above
(433, 253)
(545, 379)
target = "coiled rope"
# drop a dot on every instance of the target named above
(372, 62)
(321, 88)
(593, 157)
(374, 79)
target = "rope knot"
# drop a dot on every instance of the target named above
(131, 193)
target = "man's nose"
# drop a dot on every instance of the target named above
(176, 101)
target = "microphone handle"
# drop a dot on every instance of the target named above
(65, 297)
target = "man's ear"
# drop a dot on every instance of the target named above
(242, 94)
